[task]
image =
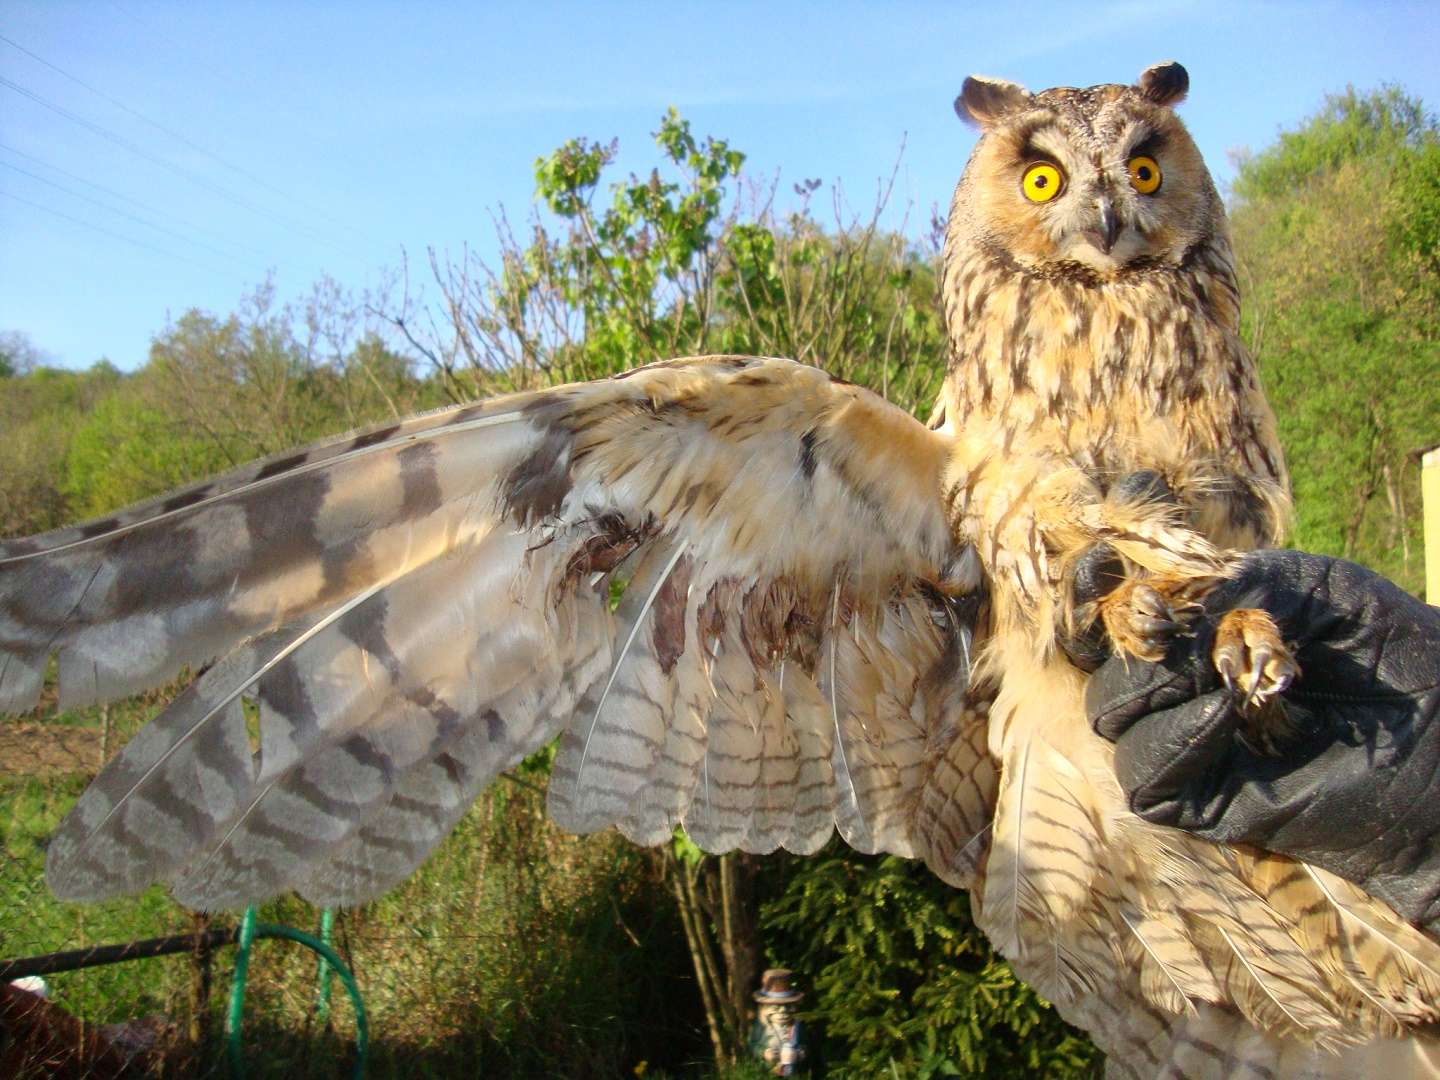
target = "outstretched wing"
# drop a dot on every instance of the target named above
(393, 618)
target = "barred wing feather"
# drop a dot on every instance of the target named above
(413, 609)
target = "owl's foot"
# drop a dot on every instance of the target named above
(1257, 666)
(1143, 617)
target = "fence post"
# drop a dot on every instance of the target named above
(200, 979)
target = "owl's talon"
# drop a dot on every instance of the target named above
(1254, 664)
(1143, 617)
(1260, 658)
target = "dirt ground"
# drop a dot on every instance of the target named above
(48, 749)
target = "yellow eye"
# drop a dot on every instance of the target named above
(1042, 182)
(1144, 174)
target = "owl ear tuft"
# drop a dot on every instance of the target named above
(1165, 83)
(984, 100)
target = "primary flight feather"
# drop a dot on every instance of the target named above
(833, 617)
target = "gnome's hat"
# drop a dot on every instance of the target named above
(775, 988)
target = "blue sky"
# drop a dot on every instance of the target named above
(327, 138)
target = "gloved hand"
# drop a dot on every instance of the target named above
(1355, 785)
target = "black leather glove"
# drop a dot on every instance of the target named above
(1354, 787)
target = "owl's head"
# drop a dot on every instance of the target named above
(1105, 177)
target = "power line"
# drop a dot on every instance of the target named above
(180, 137)
(108, 232)
(117, 210)
(126, 144)
(127, 199)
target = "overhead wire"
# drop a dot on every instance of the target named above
(178, 136)
(108, 232)
(122, 197)
(126, 144)
(122, 213)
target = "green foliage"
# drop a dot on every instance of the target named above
(40, 411)
(1353, 126)
(270, 376)
(1413, 220)
(127, 449)
(516, 951)
(621, 268)
(901, 981)
(32, 921)
(1338, 226)
(664, 269)
(216, 393)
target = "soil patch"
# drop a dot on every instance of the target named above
(48, 749)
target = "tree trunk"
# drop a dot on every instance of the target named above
(716, 901)
(742, 934)
(1395, 496)
(692, 920)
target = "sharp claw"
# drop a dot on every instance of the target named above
(1152, 627)
(1228, 665)
(1150, 604)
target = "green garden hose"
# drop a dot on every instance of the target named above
(330, 961)
(322, 994)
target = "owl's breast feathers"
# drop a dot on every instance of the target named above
(1142, 369)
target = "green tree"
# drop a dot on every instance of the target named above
(18, 354)
(127, 449)
(671, 265)
(1336, 227)
(272, 376)
(40, 411)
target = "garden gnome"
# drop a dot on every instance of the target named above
(777, 1037)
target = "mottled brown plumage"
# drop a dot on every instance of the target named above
(834, 618)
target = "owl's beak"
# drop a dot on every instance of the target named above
(1109, 226)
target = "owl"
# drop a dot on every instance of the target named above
(833, 617)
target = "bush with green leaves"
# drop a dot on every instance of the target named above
(902, 983)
